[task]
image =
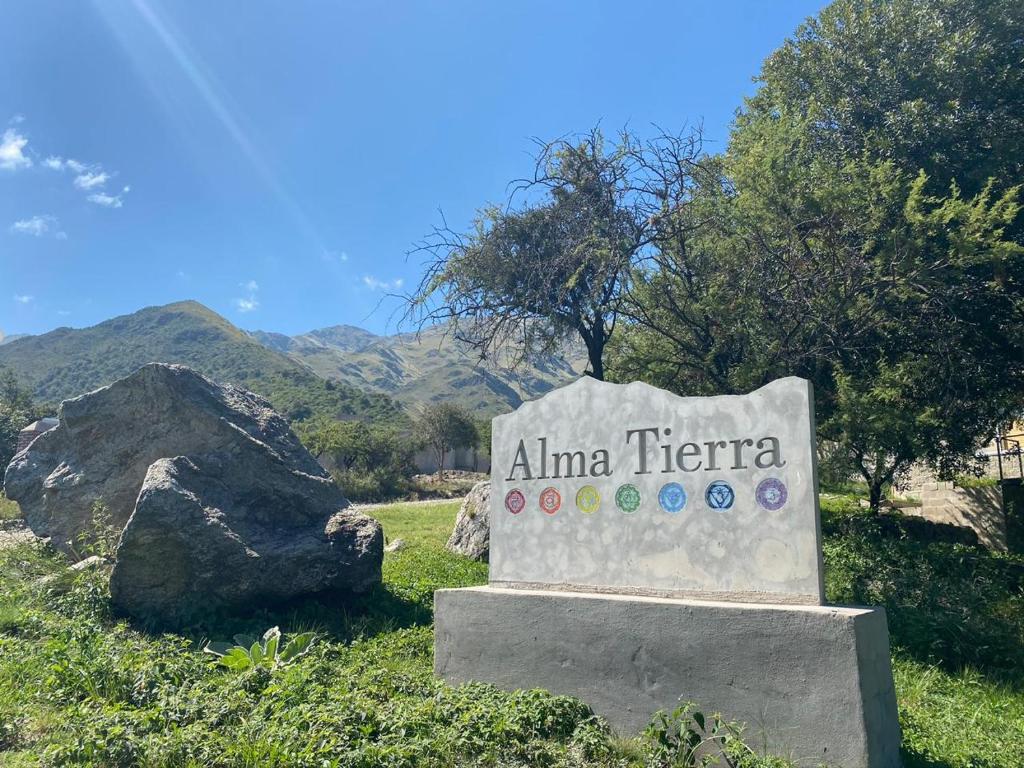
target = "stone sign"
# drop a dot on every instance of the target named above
(648, 549)
(606, 487)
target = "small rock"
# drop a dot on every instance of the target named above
(472, 534)
(395, 546)
(95, 561)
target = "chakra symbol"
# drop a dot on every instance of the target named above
(627, 498)
(515, 502)
(672, 497)
(550, 501)
(720, 495)
(588, 499)
(771, 494)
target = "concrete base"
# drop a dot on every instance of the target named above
(812, 683)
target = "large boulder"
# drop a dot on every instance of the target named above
(105, 441)
(236, 528)
(216, 501)
(472, 534)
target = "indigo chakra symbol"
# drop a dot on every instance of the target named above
(720, 495)
(627, 498)
(515, 502)
(550, 500)
(588, 499)
(672, 497)
(771, 494)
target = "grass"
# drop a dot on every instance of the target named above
(427, 525)
(80, 687)
(8, 509)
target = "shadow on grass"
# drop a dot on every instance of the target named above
(948, 603)
(914, 759)
(404, 599)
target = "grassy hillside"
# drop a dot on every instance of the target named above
(68, 362)
(425, 369)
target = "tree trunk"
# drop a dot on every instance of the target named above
(440, 466)
(597, 365)
(875, 496)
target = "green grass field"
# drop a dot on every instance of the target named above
(80, 687)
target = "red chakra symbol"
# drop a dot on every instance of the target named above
(515, 502)
(550, 501)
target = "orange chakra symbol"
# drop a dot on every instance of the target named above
(550, 501)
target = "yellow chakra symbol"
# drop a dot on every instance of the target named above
(588, 499)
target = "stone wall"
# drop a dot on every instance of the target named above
(979, 509)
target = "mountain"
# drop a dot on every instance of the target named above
(429, 368)
(68, 362)
(8, 339)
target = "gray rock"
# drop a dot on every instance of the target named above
(107, 439)
(395, 546)
(90, 563)
(472, 534)
(216, 501)
(238, 528)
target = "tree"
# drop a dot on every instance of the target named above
(445, 427)
(17, 411)
(370, 463)
(528, 279)
(840, 245)
(344, 443)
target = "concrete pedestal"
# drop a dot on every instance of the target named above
(812, 683)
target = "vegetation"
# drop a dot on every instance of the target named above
(869, 221)
(444, 427)
(862, 230)
(370, 463)
(67, 362)
(8, 509)
(558, 267)
(17, 411)
(79, 687)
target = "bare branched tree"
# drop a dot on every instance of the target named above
(556, 262)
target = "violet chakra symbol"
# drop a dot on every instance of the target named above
(771, 494)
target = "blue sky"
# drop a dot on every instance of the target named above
(277, 160)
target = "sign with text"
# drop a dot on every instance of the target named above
(629, 488)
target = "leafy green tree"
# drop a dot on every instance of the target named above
(445, 427)
(16, 412)
(370, 463)
(557, 267)
(840, 246)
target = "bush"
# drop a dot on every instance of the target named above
(381, 484)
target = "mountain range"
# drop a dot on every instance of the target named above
(337, 372)
(67, 362)
(424, 367)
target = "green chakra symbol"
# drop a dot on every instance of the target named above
(627, 498)
(588, 499)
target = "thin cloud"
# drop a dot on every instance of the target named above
(38, 226)
(374, 284)
(23, 299)
(91, 180)
(334, 257)
(250, 302)
(107, 200)
(12, 155)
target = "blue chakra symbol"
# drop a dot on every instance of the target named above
(672, 497)
(720, 495)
